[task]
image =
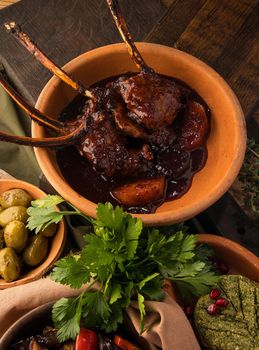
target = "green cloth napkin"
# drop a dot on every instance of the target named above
(19, 161)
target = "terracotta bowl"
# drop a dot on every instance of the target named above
(239, 260)
(57, 243)
(226, 143)
(34, 321)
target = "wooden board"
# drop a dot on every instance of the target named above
(224, 34)
(64, 29)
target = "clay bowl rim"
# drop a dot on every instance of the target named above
(159, 218)
(57, 242)
(246, 257)
(248, 260)
(10, 333)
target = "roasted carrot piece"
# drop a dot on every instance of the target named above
(141, 192)
(195, 126)
(124, 344)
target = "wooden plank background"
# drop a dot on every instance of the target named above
(64, 29)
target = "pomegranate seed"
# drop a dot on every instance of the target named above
(188, 311)
(212, 309)
(214, 294)
(222, 302)
(220, 266)
(223, 268)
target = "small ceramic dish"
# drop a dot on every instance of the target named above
(226, 143)
(34, 321)
(240, 261)
(57, 242)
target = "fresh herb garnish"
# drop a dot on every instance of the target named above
(127, 261)
(42, 213)
(249, 176)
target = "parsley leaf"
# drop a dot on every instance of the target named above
(96, 310)
(153, 289)
(128, 262)
(43, 212)
(142, 311)
(71, 271)
(109, 217)
(197, 285)
(40, 218)
(66, 315)
(132, 233)
(142, 283)
(115, 293)
(116, 318)
(47, 202)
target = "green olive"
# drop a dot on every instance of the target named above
(10, 266)
(16, 235)
(50, 230)
(36, 251)
(14, 197)
(13, 213)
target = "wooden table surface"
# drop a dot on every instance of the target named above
(222, 33)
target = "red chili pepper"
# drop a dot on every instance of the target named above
(86, 340)
(124, 344)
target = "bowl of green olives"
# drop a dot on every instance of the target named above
(24, 255)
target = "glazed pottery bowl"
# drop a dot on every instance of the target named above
(226, 143)
(239, 260)
(57, 242)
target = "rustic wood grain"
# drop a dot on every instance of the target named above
(173, 24)
(64, 29)
(224, 34)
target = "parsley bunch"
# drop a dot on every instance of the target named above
(127, 261)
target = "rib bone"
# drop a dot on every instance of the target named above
(126, 36)
(44, 142)
(36, 115)
(24, 39)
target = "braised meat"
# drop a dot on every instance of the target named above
(152, 99)
(143, 134)
(121, 116)
(106, 148)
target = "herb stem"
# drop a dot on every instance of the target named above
(77, 213)
(251, 150)
(88, 287)
(138, 263)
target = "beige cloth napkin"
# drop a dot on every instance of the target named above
(170, 328)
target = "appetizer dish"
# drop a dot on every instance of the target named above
(227, 318)
(25, 255)
(139, 138)
(123, 261)
(138, 168)
(20, 248)
(87, 339)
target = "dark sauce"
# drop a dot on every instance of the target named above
(180, 165)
